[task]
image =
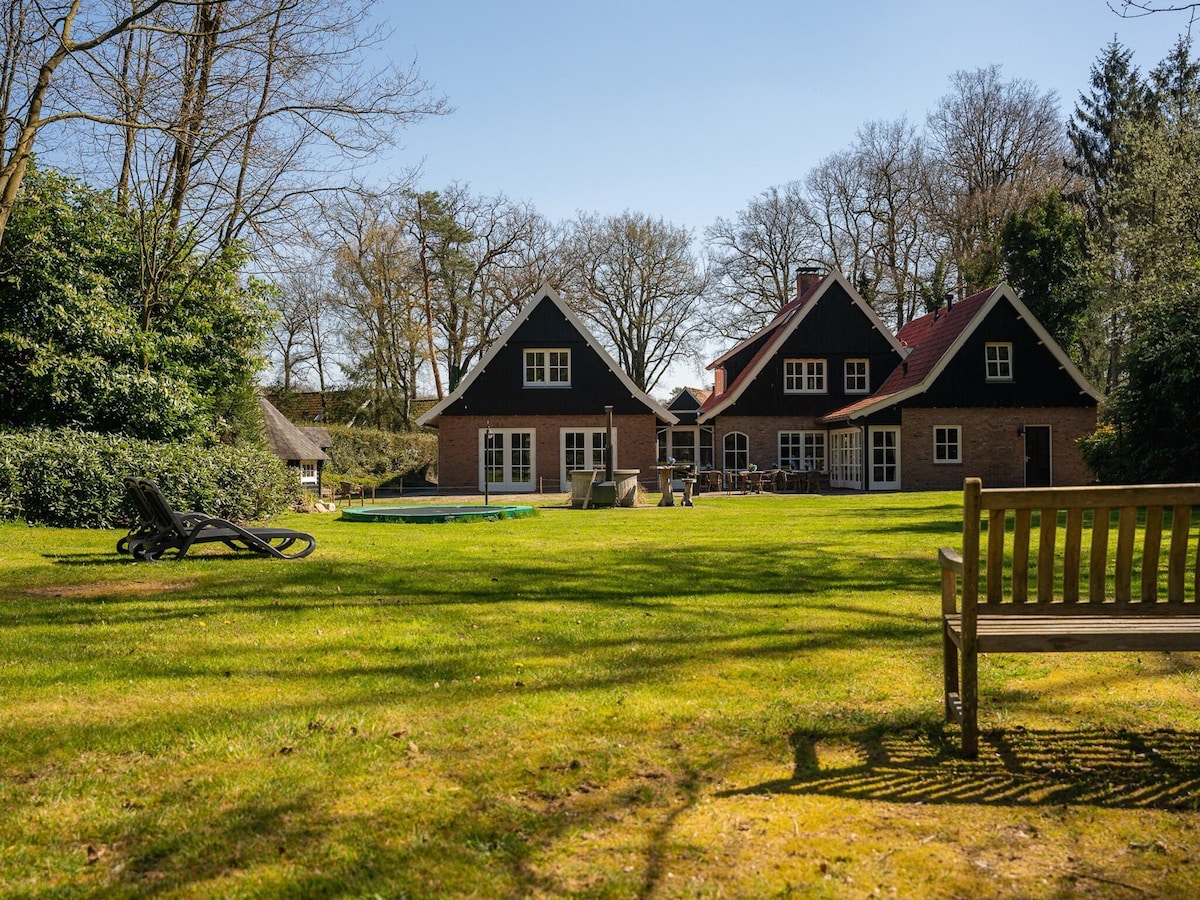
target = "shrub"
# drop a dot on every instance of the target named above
(379, 457)
(73, 479)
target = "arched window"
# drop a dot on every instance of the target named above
(737, 452)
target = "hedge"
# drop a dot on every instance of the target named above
(379, 457)
(68, 478)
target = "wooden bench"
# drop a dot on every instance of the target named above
(1102, 579)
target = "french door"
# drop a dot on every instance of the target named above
(885, 459)
(845, 459)
(582, 448)
(506, 459)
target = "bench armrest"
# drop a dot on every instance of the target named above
(950, 559)
(952, 569)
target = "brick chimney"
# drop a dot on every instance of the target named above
(808, 277)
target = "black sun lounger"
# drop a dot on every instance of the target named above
(161, 529)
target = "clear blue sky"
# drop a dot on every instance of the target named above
(686, 110)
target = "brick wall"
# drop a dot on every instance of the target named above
(762, 433)
(991, 448)
(458, 447)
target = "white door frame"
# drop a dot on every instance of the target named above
(882, 485)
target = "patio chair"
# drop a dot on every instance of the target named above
(168, 529)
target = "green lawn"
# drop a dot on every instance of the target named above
(739, 699)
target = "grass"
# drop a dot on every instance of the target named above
(739, 699)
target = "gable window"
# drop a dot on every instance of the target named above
(999, 361)
(804, 376)
(737, 452)
(857, 376)
(947, 444)
(547, 368)
(803, 450)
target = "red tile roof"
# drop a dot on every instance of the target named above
(930, 337)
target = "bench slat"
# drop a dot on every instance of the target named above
(1181, 526)
(1126, 532)
(995, 555)
(1020, 565)
(1097, 568)
(1090, 497)
(1151, 548)
(1067, 634)
(1072, 554)
(1047, 540)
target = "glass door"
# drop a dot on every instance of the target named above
(885, 459)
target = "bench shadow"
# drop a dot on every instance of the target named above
(1119, 769)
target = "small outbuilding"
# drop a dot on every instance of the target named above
(302, 450)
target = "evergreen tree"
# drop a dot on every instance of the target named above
(76, 347)
(1043, 250)
(1118, 97)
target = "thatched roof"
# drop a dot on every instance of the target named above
(318, 436)
(288, 442)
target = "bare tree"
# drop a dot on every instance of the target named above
(479, 263)
(637, 281)
(39, 38)
(994, 145)
(902, 249)
(1135, 9)
(755, 257)
(376, 273)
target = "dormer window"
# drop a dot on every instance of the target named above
(804, 376)
(998, 359)
(547, 368)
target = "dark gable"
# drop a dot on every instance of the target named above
(1038, 378)
(835, 329)
(499, 389)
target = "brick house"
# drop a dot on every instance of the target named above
(533, 409)
(976, 388)
(984, 391)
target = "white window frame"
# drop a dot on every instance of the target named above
(998, 362)
(946, 442)
(308, 471)
(594, 450)
(806, 444)
(805, 376)
(863, 377)
(882, 441)
(508, 461)
(550, 367)
(726, 451)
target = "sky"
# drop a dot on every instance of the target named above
(687, 109)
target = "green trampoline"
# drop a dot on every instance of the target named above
(435, 513)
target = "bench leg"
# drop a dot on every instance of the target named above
(970, 700)
(950, 675)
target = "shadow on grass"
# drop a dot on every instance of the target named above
(1118, 769)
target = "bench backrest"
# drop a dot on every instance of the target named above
(1129, 545)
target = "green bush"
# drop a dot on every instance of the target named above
(379, 457)
(73, 479)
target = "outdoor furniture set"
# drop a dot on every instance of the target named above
(161, 529)
(759, 480)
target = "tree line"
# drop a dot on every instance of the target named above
(209, 130)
